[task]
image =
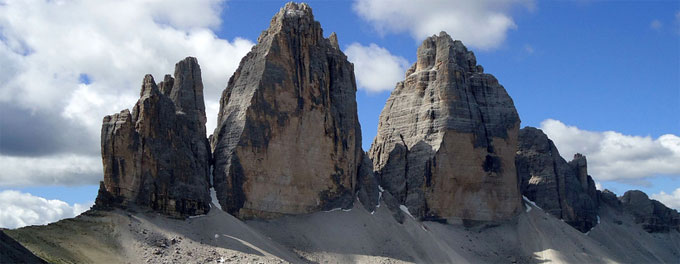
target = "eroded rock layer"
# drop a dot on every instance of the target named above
(158, 156)
(288, 139)
(447, 138)
(563, 189)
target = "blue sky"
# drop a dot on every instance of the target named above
(586, 66)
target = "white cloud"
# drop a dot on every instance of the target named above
(671, 200)
(655, 24)
(376, 69)
(19, 209)
(114, 43)
(47, 46)
(479, 23)
(61, 169)
(615, 156)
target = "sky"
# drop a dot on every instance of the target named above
(600, 78)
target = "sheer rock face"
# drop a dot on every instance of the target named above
(158, 156)
(563, 189)
(288, 139)
(447, 138)
(652, 214)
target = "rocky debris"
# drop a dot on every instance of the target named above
(651, 214)
(288, 139)
(447, 138)
(158, 156)
(13, 252)
(563, 189)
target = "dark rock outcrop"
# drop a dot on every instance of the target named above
(563, 189)
(13, 252)
(651, 214)
(288, 139)
(158, 156)
(447, 138)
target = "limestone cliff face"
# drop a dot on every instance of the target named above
(563, 189)
(288, 139)
(158, 156)
(651, 214)
(447, 138)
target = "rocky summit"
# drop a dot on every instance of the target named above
(158, 156)
(288, 139)
(651, 214)
(563, 189)
(447, 138)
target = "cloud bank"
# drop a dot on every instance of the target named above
(376, 69)
(671, 200)
(62, 73)
(613, 156)
(479, 23)
(19, 209)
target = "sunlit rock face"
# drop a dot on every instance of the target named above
(288, 139)
(447, 138)
(158, 156)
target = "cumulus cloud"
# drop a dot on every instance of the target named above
(66, 64)
(375, 67)
(671, 200)
(19, 209)
(613, 156)
(479, 23)
(60, 169)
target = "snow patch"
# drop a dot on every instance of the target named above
(331, 210)
(405, 209)
(531, 202)
(528, 207)
(381, 190)
(213, 196)
(598, 219)
(196, 216)
(217, 236)
(347, 210)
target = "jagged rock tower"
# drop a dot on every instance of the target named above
(563, 189)
(288, 139)
(158, 157)
(447, 138)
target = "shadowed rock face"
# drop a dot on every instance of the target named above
(447, 138)
(563, 189)
(288, 139)
(158, 156)
(652, 214)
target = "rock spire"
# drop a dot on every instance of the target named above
(288, 139)
(158, 156)
(447, 138)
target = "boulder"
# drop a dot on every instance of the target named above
(288, 139)
(158, 156)
(447, 138)
(563, 189)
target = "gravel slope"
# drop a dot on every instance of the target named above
(342, 237)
